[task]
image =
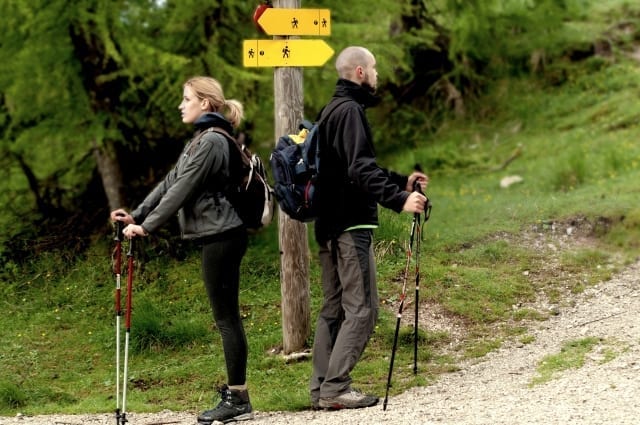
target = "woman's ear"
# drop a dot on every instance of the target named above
(204, 104)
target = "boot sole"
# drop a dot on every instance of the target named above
(239, 418)
(340, 406)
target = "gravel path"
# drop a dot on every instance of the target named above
(496, 390)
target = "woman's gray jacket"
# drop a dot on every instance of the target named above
(194, 188)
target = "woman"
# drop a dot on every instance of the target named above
(194, 189)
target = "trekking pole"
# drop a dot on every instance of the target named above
(117, 270)
(417, 301)
(403, 295)
(416, 186)
(427, 213)
(127, 321)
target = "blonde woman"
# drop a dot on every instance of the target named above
(194, 190)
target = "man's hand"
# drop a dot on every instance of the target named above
(415, 203)
(421, 179)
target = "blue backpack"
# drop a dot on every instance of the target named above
(295, 166)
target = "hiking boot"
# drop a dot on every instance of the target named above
(234, 406)
(350, 400)
(315, 404)
(315, 399)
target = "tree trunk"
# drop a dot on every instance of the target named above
(110, 174)
(293, 236)
(43, 207)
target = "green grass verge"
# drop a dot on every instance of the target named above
(573, 355)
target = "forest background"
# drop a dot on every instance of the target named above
(89, 91)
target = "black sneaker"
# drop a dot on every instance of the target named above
(234, 406)
(352, 399)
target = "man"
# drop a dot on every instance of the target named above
(349, 189)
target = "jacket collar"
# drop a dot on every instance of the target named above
(213, 119)
(361, 94)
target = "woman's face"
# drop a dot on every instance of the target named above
(191, 106)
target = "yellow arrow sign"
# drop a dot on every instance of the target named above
(265, 53)
(277, 21)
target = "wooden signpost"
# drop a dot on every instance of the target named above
(286, 19)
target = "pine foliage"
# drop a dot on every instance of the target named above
(106, 75)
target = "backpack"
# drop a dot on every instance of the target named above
(249, 192)
(295, 165)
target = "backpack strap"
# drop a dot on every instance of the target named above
(240, 155)
(196, 141)
(329, 108)
(223, 132)
(322, 116)
(230, 138)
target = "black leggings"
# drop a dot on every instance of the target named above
(221, 273)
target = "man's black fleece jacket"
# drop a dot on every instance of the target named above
(351, 183)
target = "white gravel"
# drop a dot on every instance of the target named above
(496, 390)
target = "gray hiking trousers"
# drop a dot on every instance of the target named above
(349, 312)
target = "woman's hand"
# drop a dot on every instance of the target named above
(133, 230)
(121, 215)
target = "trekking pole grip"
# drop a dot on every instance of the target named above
(119, 228)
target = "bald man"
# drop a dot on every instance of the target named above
(349, 190)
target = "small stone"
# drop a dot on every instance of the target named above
(510, 180)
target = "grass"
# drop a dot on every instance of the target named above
(573, 355)
(579, 161)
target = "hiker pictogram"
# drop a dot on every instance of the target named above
(283, 21)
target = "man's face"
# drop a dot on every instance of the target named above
(371, 75)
